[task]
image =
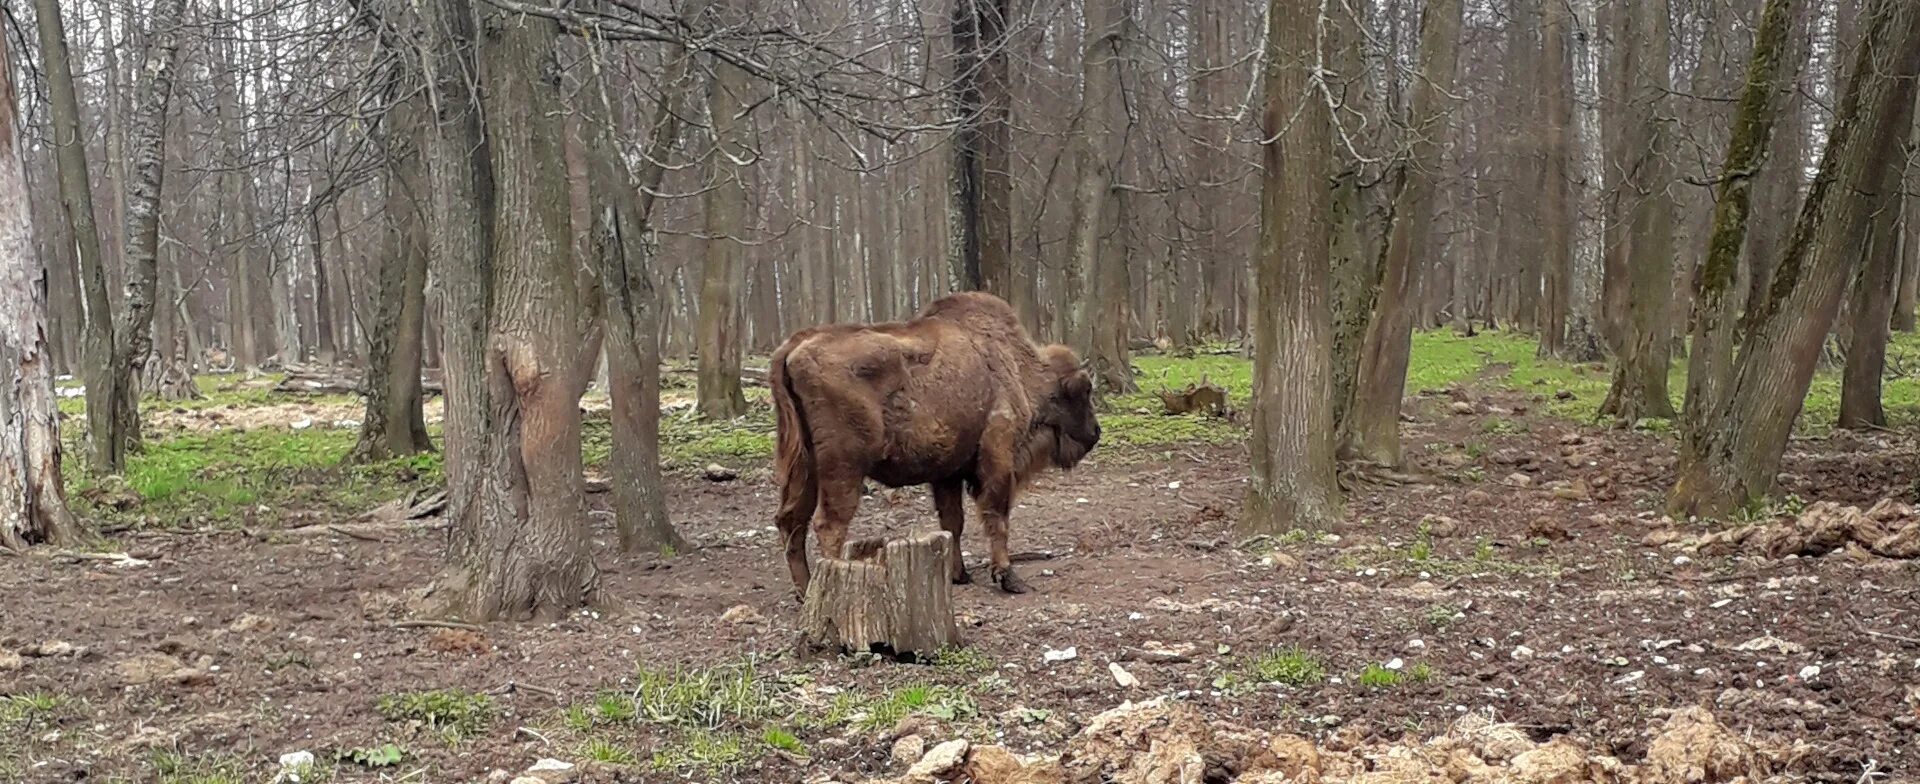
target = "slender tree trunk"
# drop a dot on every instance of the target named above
(326, 343)
(1872, 306)
(394, 424)
(133, 324)
(722, 274)
(1639, 386)
(1292, 445)
(1710, 355)
(33, 500)
(1587, 307)
(1556, 100)
(1747, 435)
(621, 228)
(76, 203)
(1373, 418)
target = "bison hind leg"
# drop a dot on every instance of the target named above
(797, 502)
(953, 519)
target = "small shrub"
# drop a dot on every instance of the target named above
(1377, 676)
(385, 756)
(709, 753)
(600, 750)
(782, 740)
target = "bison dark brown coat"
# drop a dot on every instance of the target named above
(958, 397)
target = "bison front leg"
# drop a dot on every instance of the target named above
(948, 502)
(994, 498)
(839, 499)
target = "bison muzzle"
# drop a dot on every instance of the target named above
(957, 398)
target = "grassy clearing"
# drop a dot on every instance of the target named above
(711, 721)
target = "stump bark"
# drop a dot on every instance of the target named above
(889, 596)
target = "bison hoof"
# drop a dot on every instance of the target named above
(1009, 582)
(960, 577)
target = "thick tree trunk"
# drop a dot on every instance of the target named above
(394, 424)
(1872, 305)
(524, 550)
(1748, 431)
(980, 189)
(133, 325)
(1586, 316)
(1372, 427)
(1293, 484)
(1639, 388)
(1098, 319)
(76, 203)
(1710, 355)
(722, 274)
(1355, 275)
(621, 228)
(33, 500)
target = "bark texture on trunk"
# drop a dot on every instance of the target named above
(1742, 446)
(1556, 223)
(1372, 431)
(722, 275)
(626, 255)
(1639, 387)
(133, 325)
(1871, 308)
(76, 204)
(394, 424)
(1710, 354)
(980, 186)
(1586, 311)
(1097, 324)
(33, 499)
(1293, 484)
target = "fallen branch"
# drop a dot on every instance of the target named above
(350, 534)
(435, 625)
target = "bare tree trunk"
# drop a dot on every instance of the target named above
(621, 228)
(394, 424)
(1872, 306)
(76, 203)
(1747, 434)
(33, 500)
(1587, 307)
(1639, 386)
(326, 343)
(524, 550)
(1373, 418)
(1292, 445)
(1097, 323)
(721, 276)
(1710, 356)
(1556, 218)
(1355, 273)
(133, 325)
(981, 186)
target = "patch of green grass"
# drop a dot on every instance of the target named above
(1420, 673)
(782, 740)
(1287, 666)
(1441, 616)
(602, 750)
(713, 754)
(614, 708)
(174, 767)
(966, 660)
(729, 694)
(689, 442)
(1377, 676)
(382, 756)
(221, 476)
(868, 713)
(455, 713)
(21, 711)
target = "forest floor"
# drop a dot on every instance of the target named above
(1520, 571)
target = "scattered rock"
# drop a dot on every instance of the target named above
(1121, 676)
(250, 623)
(1068, 654)
(1517, 479)
(1294, 757)
(1549, 529)
(1771, 643)
(1559, 762)
(741, 614)
(1281, 562)
(1453, 460)
(1441, 525)
(552, 771)
(716, 472)
(10, 661)
(908, 749)
(147, 668)
(1157, 652)
(53, 649)
(939, 761)
(1490, 741)
(1478, 498)
(997, 765)
(1572, 491)
(1462, 408)
(1661, 537)
(458, 641)
(1562, 394)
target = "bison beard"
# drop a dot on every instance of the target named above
(957, 398)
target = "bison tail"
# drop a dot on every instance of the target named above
(793, 445)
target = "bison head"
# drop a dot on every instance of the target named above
(1067, 412)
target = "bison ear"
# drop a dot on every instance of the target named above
(1077, 385)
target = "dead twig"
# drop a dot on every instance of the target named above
(364, 537)
(513, 686)
(435, 625)
(1883, 635)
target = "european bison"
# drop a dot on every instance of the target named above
(957, 397)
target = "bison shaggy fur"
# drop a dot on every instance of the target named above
(958, 398)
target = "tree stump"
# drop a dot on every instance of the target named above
(889, 596)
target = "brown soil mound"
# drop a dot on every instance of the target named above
(1890, 529)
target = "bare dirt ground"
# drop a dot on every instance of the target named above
(1530, 579)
